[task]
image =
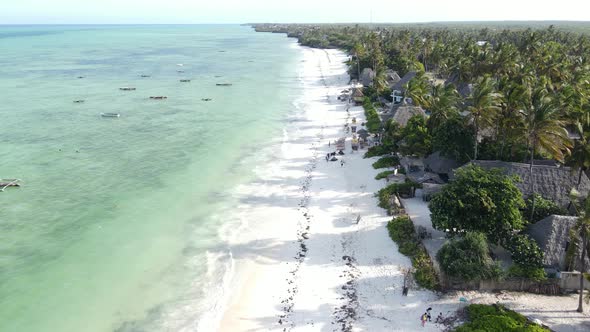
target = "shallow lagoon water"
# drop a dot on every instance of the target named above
(113, 226)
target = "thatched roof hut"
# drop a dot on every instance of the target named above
(553, 236)
(392, 77)
(403, 113)
(399, 86)
(363, 133)
(357, 95)
(439, 164)
(367, 77)
(551, 182)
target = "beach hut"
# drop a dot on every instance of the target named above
(398, 89)
(402, 113)
(553, 236)
(363, 133)
(443, 166)
(367, 77)
(358, 96)
(552, 182)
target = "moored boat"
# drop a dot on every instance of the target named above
(223, 84)
(4, 183)
(185, 81)
(127, 88)
(158, 97)
(110, 115)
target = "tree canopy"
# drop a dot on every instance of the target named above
(479, 200)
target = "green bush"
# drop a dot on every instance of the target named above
(467, 258)
(519, 271)
(387, 161)
(525, 251)
(425, 274)
(384, 195)
(492, 318)
(377, 150)
(383, 175)
(401, 230)
(373, 121)
(543, 209)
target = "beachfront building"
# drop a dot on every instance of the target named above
(357, 96)
(441, 165)
(401, 113)
(553, 236)
(398, 89)
(367, 77)
(551, 181)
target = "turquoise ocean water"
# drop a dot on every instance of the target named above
(111, 227)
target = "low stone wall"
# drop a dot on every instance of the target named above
(549, 287)
(569, 281)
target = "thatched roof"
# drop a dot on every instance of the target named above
(552, 235)
(440, 164)
(362, 133)
(399, 86)
(392, 77)
(551, 182)
(367, 77)
(357, 93)
(403, 113)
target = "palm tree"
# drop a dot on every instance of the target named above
(582, 229)
(580, 157)
(484, 104)
(509, 119)
(545, 131)
(418, 89)
(442, 104)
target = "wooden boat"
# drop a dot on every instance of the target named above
(145, 75)
(158, 97)
(80, 101)
(223, 84)
(185, 81)
(180, 71)
(110, 115)
(126, 88)
(206, 99)
(4, 183)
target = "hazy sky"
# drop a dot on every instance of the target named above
(243, 11)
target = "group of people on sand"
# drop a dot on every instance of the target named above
(426, 317)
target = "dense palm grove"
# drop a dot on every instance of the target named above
(525, 89)
(503, 94)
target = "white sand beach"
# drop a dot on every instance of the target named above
(302, 261)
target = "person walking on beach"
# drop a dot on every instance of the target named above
(428, 314)
(341, 163)
(424, 318)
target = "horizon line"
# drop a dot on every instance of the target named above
(310, 23)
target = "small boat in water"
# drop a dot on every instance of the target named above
(80, 101)
(223, 84)
(110, 115)
(145, 75)
(158, 97)
(185, 81)
(4, 183)
(206, 99)
(127, 88)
